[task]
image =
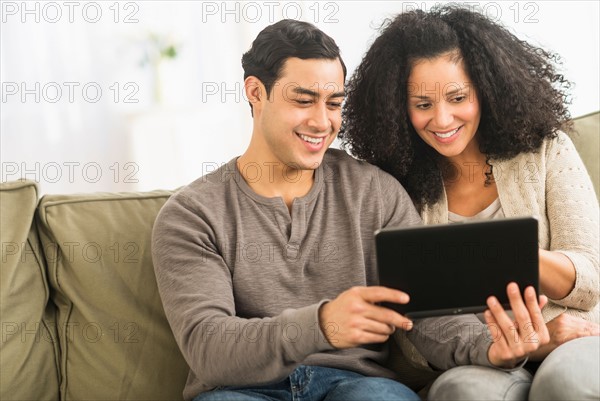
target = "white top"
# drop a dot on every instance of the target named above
(493, 211)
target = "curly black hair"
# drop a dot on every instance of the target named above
(523, 99)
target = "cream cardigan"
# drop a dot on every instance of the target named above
(553, 186)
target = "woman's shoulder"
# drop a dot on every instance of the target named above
(560, 141)
(557, 145)
(560, 152)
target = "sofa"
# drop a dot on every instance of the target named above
(80, 312)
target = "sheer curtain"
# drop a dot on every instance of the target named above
(46, 121)
(88, 106)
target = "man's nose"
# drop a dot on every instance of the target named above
(319, 117)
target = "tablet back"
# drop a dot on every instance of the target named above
(454, 268)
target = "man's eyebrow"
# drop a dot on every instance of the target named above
(338, 94)
(304, 91)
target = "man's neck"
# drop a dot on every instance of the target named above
(274, 179)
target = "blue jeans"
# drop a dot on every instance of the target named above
(315, 383)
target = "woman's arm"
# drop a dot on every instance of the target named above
(557, 274)
(572, 210)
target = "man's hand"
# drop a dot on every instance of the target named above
(353, 319)
(513, 341)
(565, 328)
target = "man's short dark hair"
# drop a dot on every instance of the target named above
(282, 40)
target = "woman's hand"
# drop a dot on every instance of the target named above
(562, 329)
(515, 340)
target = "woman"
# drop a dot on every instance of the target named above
(468, 118)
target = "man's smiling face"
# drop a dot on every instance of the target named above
(302, 116)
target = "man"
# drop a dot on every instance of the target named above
(266, 267)
(247, 257)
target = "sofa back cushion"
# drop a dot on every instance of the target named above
(115, 341)
(586, 137)
(29, 349)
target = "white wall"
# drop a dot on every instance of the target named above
(125, 140)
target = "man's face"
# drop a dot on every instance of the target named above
(302, 116)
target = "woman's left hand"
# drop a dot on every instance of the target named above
(515, 340)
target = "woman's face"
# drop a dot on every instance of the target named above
(443, 106)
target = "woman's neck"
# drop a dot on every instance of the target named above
(469, 186)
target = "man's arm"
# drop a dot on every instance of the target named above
(195, 286)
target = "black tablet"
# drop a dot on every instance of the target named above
(453, 268)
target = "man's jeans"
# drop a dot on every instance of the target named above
(315, 383)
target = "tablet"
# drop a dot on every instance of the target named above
(453, 268)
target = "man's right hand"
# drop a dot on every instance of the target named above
(353, 318)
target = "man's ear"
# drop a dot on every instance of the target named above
(255, 91)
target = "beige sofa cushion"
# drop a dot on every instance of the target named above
(587, 141)
(29, 349)
(115, 340)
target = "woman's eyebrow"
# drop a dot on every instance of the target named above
(447, 93)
